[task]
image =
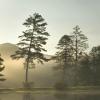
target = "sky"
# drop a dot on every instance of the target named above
(61, 16)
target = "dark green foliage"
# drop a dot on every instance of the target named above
(1, 69)
(95, 64)
(65, 51)
(64, 58)
(33, 39)
(85, 72)
(71, 57)
(89, 70)
(32, 42)
(95, 56)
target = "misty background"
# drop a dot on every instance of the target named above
(61, 16)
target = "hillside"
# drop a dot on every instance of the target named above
(7, 49)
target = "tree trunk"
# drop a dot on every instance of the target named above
(28, 58)
(26, 76)
(76, 51)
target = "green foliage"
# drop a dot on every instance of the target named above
(95, 64)
(95, 55)
(79, 42)
(89, 70)
(85, 72)
(31, 44)
(71, 55)
(71, 48)
(64, 58)
(65, 50)
(32, 40)
(1, 69)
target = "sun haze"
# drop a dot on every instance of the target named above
(61, 16)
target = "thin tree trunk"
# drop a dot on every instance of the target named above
(76, 51)
(27, 66)
(63, 76)
(76, 61)
(26, 75)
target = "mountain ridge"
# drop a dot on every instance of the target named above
(7, 49)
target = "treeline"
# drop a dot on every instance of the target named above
(78, 66)
(71, 57)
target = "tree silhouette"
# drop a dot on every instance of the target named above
(65, 51)
(1, 69)
(32, 42)
(79, 47)
(85, 72)
(64, 58)
(95, 55)
(95, 64)
(79, 42)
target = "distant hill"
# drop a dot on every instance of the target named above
(7, 49)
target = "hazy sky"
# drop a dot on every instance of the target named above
(61, 16)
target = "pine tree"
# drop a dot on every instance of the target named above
(32, 42)
(79, 47)
(79, 42)
(64, 58)
(1, 69)
(65, 50)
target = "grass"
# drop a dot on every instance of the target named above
(75, 89)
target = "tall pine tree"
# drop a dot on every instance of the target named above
(64, 58)
(65, 51)
(79, 46)
(79, 42)
(32, 41)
